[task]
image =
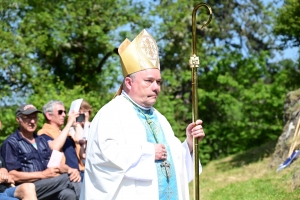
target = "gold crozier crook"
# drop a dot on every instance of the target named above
(194, 64)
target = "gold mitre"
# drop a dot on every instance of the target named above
(138, 55)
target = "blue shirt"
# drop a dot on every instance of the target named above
(69, 151)
(19, 154)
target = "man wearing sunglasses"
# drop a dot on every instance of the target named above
(26, 155)
(55, 113)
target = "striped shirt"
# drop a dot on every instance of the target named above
(19, 154)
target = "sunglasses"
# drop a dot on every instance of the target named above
(61, 111)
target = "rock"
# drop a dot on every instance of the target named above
(290, 118)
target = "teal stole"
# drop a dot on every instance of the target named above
(167, 184)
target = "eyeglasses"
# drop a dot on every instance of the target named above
(61, 111)
(29, 118)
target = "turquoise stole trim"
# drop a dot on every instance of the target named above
(167, 187)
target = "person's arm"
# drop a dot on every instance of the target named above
(29, 177)
(74, 173)
(78, 132)
(192, 130)
(78, 138)
(82, 152)
(9, 153)
(58, 142)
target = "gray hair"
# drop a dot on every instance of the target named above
(132, 76)
(49, 107)
(20, 118)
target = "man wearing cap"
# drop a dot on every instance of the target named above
(27, 155)
(133, 153)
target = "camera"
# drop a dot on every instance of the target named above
(80, 118)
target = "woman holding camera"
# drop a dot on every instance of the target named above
(79, 132)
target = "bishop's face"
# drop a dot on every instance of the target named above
(144, 87)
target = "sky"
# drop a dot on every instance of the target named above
(288, 53)
(291, 53)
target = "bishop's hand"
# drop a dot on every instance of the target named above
(194, 130)
(160, 152)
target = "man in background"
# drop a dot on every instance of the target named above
(26, 156)
(55, 113)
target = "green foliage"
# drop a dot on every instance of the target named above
(7, 116)
(241, 95)
(287, 23)
(67, 50)
(60, 50)
(73, 40)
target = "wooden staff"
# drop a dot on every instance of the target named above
(295, 141)
(194, 64)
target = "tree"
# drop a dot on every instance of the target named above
(240, 93)
(71, 40)
(287, 23)
(67, 49)
(61, 50)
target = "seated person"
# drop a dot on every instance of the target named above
(80, 131)
(8, 191)
(54, 113)
(26, 156)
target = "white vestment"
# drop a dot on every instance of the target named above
(120, 162)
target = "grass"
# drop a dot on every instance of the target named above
(247, 176)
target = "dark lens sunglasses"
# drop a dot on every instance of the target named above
(61, 111)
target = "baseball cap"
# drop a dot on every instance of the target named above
(27, 109)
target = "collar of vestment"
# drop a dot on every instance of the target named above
(141, 107)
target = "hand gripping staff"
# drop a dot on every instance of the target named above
(194, 64)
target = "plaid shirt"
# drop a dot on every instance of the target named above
(19, 154)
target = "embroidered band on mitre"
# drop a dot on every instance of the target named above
(138, 55)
